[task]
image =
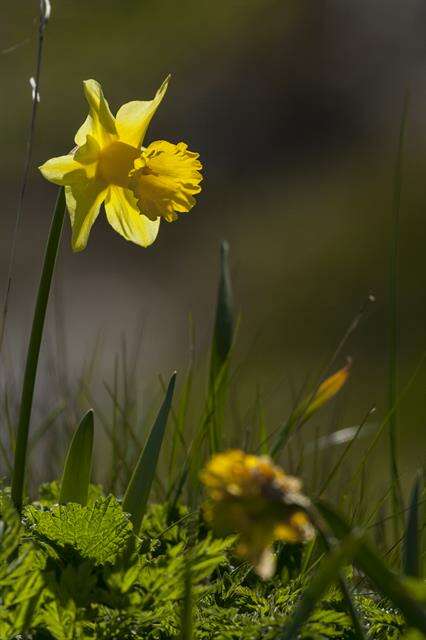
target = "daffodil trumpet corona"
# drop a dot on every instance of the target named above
(138, 185)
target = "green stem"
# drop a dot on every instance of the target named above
(393, 319)
(34, 350)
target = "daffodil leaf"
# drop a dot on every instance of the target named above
(78, 464)
(19, 466)
(138, 490)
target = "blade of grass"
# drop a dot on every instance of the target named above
(112, 436)
(186, 606)
(262, 435)
(310, 405)
(378, 572)
(33, 353)
(346, 450)
(44, 15)
(329, 544)
(224, 322)
(125, 417)
(285, 430)
(385, 420)
(78, 464)
(327, 574)
(412, 539)
(222, 339)
(397, 502)
(178, 432)
(138, 490)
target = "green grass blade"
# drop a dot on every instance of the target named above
(223, 336)
(412, 539)
(310, 405)
(224, 322)
(33, 353)
(352, 609)
(139, 487)
(375, 568)
(78, 463)
(397, 503)
(329, 542)
(328, 573)
(338, 464)
(186, 631)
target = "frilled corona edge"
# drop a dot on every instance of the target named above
(250, 496)
(137, 186)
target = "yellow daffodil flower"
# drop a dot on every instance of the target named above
(109, 165)
(250, 496)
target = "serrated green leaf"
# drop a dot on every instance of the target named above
(10, 528)
(99, 532)
(78, 463)
(138, 490)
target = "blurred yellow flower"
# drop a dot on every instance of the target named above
(137, 185)
(250, 496)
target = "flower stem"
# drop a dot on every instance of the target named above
(34, 350)
(397, 501)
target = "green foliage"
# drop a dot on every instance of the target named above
(79, 564)
(65, 575)
(99, 532)
(369, 561)
(78, 464)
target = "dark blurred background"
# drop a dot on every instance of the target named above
(295, 107)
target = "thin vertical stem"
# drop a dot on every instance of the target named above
(34, 350)
(393, 317)
(35, 83)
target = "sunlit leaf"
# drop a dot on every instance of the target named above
(78, 464)
(99, 532)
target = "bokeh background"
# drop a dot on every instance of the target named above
(295, 108)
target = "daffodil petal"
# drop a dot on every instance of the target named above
(62, 170)
(87, 128)
(83, 202)
(88, 153)
(124, 216)
(165, 180)
(133, 118)
(100, 122)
